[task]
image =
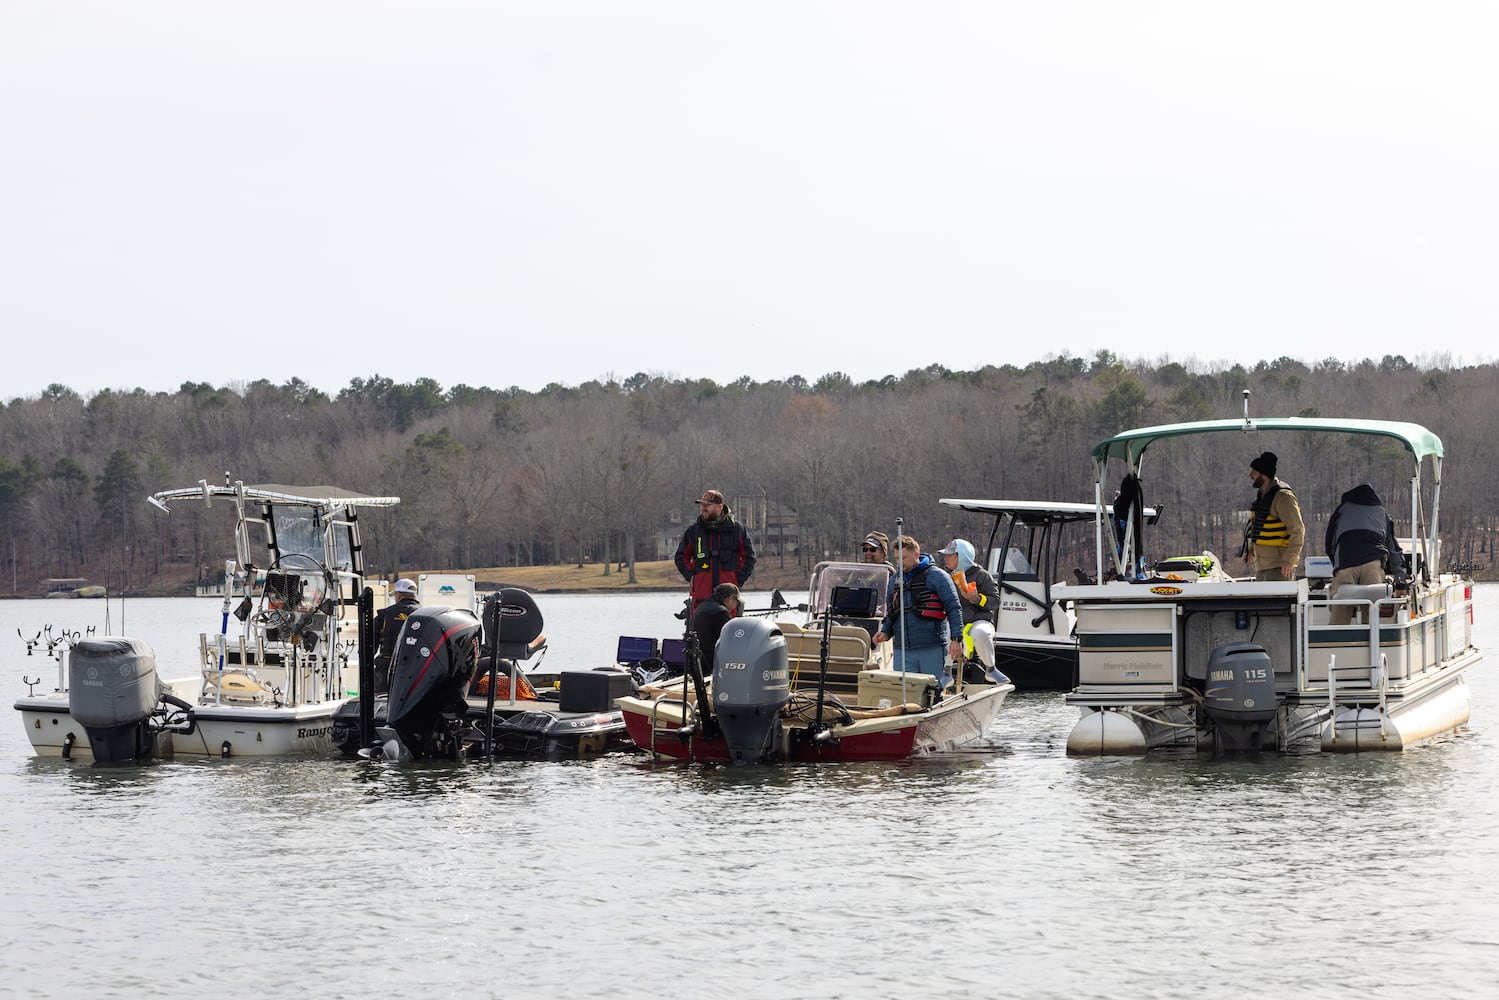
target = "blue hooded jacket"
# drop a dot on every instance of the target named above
(919, 631)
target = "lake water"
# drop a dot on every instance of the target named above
(1006, 870)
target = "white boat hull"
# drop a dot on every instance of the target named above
(219, 731)
(959, 721)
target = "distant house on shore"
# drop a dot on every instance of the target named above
(773, 527)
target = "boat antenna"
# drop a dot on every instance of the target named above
(1248, 424)
(900, 607)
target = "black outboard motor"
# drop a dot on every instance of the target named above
(112, 691)
(430, 672)
(1239, 696)
(751, 681)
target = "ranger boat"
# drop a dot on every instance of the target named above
(269, 685)
(1033, 641)
(1176, 652)
(784, 690)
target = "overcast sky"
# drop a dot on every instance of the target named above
(499, 193)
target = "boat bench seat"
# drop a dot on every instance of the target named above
(848, 653)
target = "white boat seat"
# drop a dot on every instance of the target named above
(1366, 592)
(235, 687)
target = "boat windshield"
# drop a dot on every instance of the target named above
(299, 532)
(846, 577)
(1016, 564)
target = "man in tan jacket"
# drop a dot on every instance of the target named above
(1275, 531)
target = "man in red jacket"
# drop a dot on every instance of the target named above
(715, 549)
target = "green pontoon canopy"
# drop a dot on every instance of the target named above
(1130, 445)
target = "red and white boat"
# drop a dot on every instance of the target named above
(787, 691)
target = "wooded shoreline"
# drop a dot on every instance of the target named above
(606, 471)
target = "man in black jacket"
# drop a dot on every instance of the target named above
(1361, 543)
(710, 618)
(715, 549)
(388, 624)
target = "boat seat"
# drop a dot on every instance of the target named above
(1366, 592)
(848, 653)
(235, 687)
(520, 650)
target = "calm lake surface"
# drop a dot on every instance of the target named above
(1006, 870)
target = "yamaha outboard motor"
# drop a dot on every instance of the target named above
(112, 691)
(430, 673)
(751, 681)
(1240, 696)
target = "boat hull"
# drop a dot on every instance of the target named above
(953, 723)
(1037, 665)
(1410, 713)
(218, 731)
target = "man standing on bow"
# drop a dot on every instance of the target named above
(715, 549)
(1273, 537)
(925, 618)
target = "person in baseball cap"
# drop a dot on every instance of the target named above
(715, 549)
(388, 624)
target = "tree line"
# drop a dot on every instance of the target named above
(596, 472)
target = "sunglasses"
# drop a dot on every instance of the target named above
(870, 548)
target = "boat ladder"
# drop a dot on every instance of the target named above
(689, 724)
(1376, 685)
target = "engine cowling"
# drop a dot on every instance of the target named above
(112, 691)
(751, 681)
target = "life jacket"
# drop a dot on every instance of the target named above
(924, 601)
(715, 557)
(523, 689)
(1264, 527)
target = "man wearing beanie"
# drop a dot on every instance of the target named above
(1275, 531)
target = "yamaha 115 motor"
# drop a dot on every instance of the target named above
(113, 690)
(430, 673)
(1239, 696)
(750, 684)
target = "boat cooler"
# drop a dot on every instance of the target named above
(886, 685)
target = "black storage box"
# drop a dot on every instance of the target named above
(593, 690)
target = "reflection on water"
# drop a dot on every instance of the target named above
(1005, 870)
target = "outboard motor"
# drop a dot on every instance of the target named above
(751, 681)
(113, 690)
(1240, 696)
(430, 673)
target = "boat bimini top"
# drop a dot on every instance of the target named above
(1129, 447)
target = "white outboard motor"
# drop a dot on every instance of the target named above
(112, 691)
(1240, 696)
(751, 681)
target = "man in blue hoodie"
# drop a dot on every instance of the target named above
(1361, 543)
(925, 617)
